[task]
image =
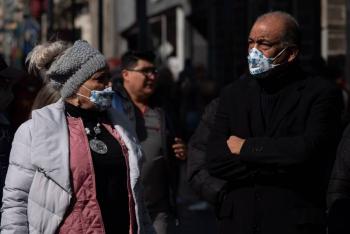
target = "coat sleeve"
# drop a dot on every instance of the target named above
(221, 162)
(321, 135)
(338, 197)
(207, 186)
(17, 184)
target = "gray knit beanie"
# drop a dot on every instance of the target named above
(76, 65)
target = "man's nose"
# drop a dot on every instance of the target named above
(253, 45)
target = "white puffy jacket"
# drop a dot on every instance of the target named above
(37, 189)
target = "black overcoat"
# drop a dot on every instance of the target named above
(277, 185)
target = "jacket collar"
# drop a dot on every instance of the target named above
(287, 102)
(50, 140)
(289, 90)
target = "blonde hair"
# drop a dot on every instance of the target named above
(47, 94)
(41, 57)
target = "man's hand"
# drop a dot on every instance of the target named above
(180, 149)
(235, 144)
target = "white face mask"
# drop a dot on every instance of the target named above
(101, 98)
(259, 63)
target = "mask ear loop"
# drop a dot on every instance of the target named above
(81, 95)
(86, 88)
(278, 55)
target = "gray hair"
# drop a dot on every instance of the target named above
(291, 36)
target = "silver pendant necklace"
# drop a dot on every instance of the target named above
(97, 145)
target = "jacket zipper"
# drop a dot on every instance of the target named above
(42, 171)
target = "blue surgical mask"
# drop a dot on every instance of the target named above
(101, 98)
(259, 63)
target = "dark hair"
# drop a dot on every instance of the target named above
(130, 58)
(291, 36)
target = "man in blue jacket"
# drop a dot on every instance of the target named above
(162, 146)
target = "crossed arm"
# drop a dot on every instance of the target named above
(231, 156)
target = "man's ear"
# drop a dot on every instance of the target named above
(293, 53)
(125, 74)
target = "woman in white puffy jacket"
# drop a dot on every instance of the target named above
(74, 166)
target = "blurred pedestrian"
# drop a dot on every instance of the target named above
(166, 95)
(8, 76)
(196, 91)
(159, 141)
(274, 138)
(74, 167)
(205, 185)
(25, 91)
(338, 198)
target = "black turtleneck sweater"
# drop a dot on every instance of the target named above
(271, 88)
(110, 172)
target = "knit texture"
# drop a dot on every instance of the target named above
(76, 65)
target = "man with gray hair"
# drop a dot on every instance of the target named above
(274, 138)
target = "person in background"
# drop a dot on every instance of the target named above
(74, 166)
(274, 138)
(205, 185)
(338, 197)
(8, 76)
(25, 91)
(155, 131)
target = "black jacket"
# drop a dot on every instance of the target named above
(206, 186)
(6, 137)
(338, 198)
(278, 182)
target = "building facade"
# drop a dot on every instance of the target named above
(212, 33)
